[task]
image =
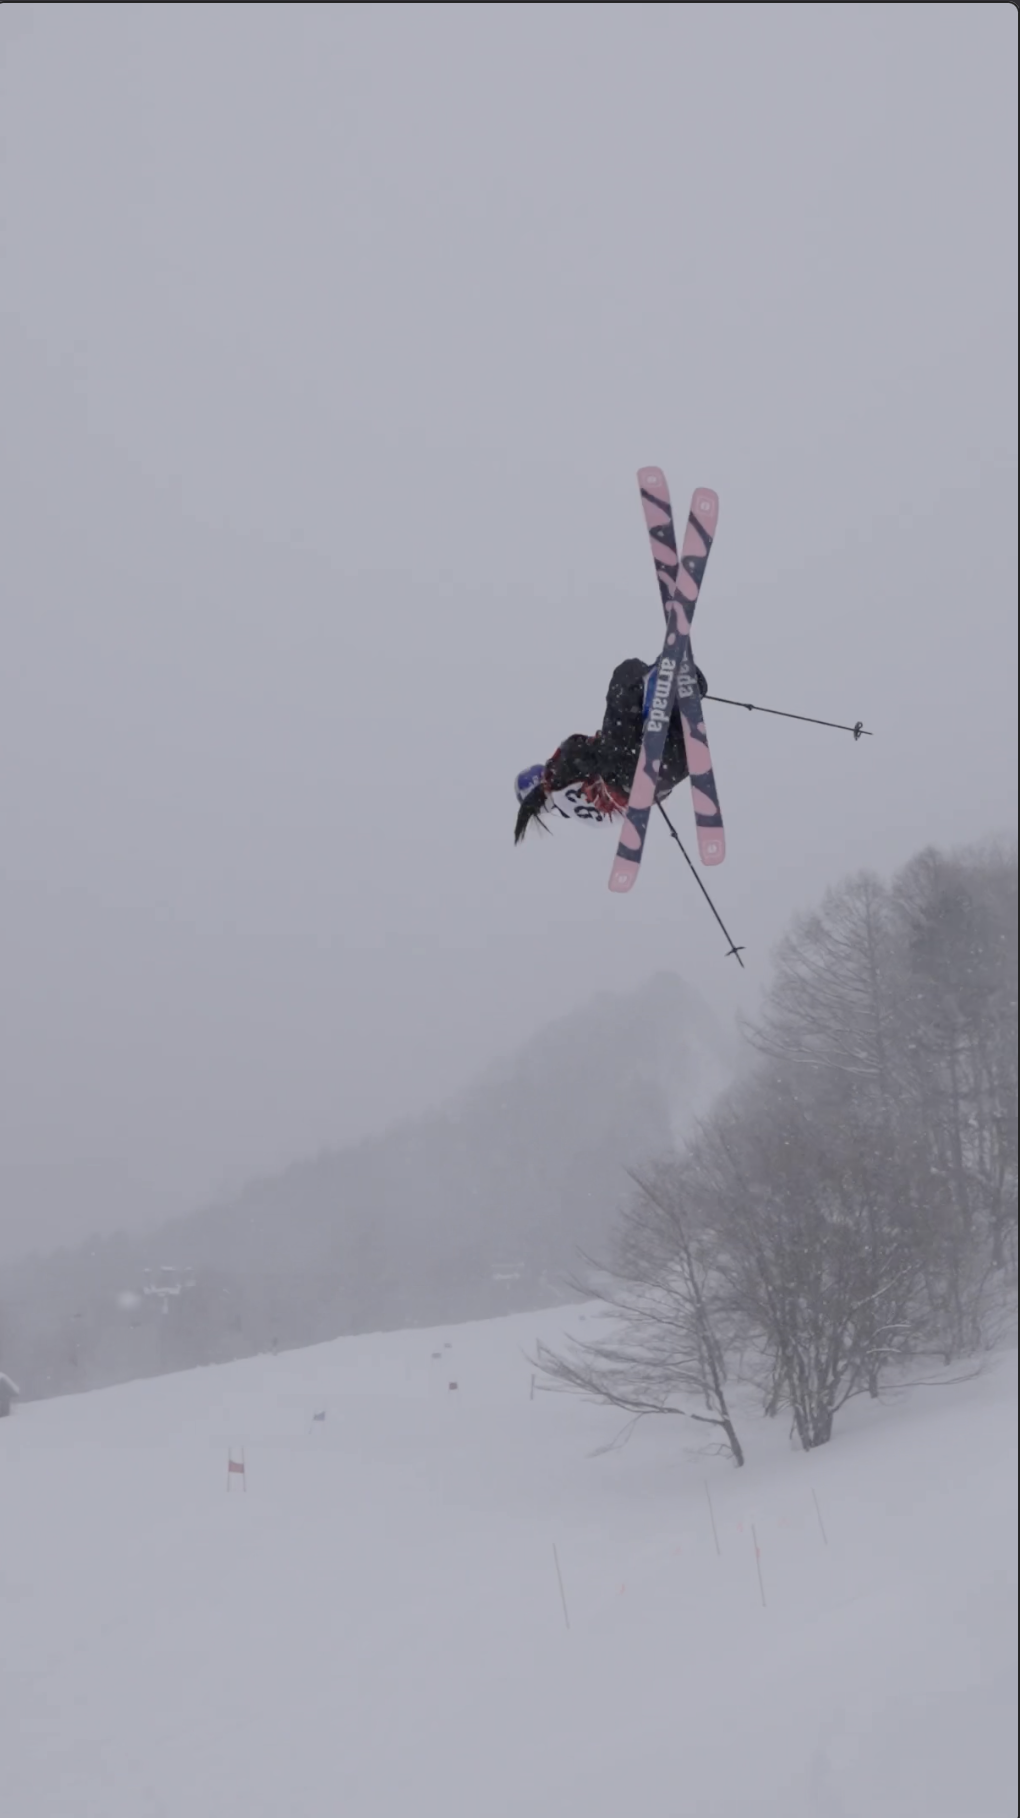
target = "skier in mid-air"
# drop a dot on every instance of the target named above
(589, 778)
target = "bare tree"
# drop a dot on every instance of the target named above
(818, 1278)
(958, 1035)
(833, 1000)
(668, 1349)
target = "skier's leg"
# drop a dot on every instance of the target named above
(674, 758)
(626, 681)
(622, 725)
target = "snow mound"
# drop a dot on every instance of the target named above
(371, 1622)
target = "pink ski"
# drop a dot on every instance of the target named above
(680, 578)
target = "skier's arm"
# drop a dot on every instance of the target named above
(575, 761)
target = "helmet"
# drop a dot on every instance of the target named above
(527, 780)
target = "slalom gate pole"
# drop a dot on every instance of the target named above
(735, 950)
(859, 730)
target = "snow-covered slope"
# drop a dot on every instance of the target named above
(375, 1628)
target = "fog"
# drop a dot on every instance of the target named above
(331, 338)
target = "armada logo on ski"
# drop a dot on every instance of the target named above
(657, 715)
(685, 681)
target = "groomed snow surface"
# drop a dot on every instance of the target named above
(374, 1627)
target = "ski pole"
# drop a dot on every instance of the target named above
(735, 950)
(859, 730)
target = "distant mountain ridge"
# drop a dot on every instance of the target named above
(478, 1209)
(530, 1158)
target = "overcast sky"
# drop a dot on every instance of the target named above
(331, 338)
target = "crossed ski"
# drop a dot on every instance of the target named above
(680, 577)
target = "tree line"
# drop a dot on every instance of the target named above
(848, 1211)
(475, 1209)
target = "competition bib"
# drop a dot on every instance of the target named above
(574, 805)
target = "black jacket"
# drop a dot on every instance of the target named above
(610, 756)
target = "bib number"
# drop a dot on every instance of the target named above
(574, 805)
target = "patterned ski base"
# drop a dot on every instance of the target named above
(680, 577)
(702, 521)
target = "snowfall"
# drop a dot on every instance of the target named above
(444, 1600)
